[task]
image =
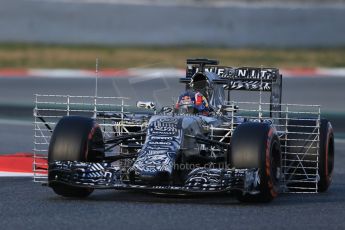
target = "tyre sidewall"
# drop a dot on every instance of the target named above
(269, 185)
(326, 157)
(74, 139)
(253, 147)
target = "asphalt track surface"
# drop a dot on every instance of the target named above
(26, 205)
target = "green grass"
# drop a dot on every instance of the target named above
(84, 56)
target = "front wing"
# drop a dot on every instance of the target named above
(107, 176)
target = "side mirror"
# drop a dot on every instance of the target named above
(229, 108)
(146, 105)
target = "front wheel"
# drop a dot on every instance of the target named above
(74, 139)
(257, 145)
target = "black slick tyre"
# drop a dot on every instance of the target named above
(257, 145)
(74, 138)
(299, 131)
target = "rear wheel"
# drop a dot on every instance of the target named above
(257, 145)
(326, 164)
(299, 132)
(74, 139)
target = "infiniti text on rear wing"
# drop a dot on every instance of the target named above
(244, 78)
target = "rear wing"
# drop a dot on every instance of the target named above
(242, 78)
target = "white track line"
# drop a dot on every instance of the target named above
(339, 141)
(15, 174)
(15, 122)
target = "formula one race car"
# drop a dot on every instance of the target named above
(250, 150)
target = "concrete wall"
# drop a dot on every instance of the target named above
(234, 25)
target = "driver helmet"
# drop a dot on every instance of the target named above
(200, 83)
(192, 103)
